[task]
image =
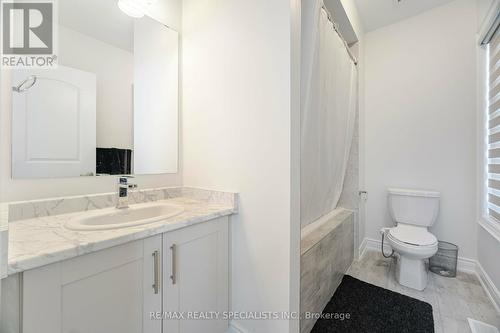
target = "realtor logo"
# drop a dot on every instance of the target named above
(28, 34)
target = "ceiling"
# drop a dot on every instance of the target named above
(378, 13)
(100, 19)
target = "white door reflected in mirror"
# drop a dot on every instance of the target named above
(53, 123)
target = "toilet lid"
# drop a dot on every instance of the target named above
(413, 235)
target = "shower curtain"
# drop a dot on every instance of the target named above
(328, 111)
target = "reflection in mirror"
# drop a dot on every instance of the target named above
(109, 108)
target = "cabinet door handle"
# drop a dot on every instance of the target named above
(173, 271)
(156, 265)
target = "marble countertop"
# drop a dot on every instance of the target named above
(43, 240)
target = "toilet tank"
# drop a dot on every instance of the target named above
(415, 207)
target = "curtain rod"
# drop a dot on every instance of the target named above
(336, 29)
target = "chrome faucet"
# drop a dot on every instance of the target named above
(123, 187)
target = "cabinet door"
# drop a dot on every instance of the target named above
(196, 277)
(106, 291)
(152, 286)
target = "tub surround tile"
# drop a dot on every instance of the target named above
(314, 232)
(327, 252)
(42, 238)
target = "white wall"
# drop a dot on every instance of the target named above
(483, 8)
(295, 231)
(114, 68)
(354, 18)
(168, 12)
(10, 190)
(237, 123)
(488, 250)
(420, 107)
(156, 98)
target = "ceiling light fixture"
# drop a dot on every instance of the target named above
(135, 8)
(131, 7)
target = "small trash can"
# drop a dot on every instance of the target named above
(444, 262)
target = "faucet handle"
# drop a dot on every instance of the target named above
(123, 180)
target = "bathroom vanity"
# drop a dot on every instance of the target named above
(163, 276)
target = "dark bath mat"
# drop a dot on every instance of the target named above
(373, 309)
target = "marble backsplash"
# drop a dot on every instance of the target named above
(23, 210)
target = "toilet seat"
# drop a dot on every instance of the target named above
(415, 250)
(412, 251)
(412, 235)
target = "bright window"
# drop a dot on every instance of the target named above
(494, 128)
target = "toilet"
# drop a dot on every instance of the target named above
(413, 212)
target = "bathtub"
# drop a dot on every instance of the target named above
(327, 251)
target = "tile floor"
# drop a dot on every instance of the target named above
(453, 299)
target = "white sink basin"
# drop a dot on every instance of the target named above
(113, 218)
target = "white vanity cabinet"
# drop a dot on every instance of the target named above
(107, 291)
(117, 289)
(196, 278)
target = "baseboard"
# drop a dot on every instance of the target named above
(370, 244)
(362, 249)
(234, 327)
(465, 265)
(489, 286)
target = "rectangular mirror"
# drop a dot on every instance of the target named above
(111, 105)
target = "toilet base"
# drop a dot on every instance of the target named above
(411, 273)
